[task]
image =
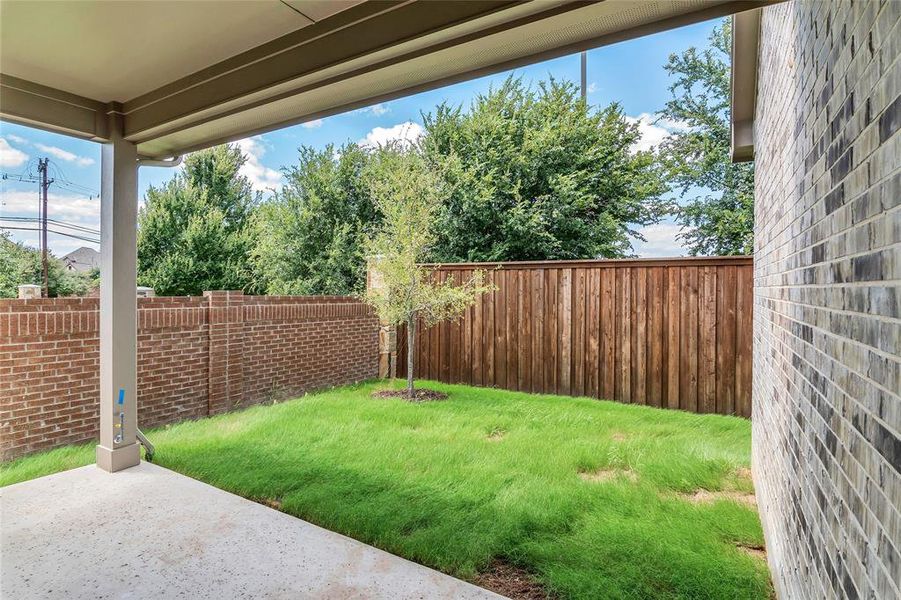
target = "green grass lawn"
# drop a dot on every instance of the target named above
(593, 498)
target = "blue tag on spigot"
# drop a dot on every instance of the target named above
(121, 396)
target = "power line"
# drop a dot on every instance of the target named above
(71, 235)
(39, 173)
(56, 221)
(31, 173)
(583, 60)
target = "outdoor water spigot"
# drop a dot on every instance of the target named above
(121, 424)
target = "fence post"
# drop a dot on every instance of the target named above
(226, 353)
(387, 332)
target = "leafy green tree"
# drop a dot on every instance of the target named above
(193, 232)
(697, 155)
(20, 264)
(529, 174)
(408, 193)
(309, 235)
(537, 174)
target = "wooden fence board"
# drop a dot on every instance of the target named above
(639, 363)
(565, 326)
(593, 321)
(608, 333)
(674, 333)
(707, 341)
(656, 334)
(536, 307)
(744, 334)
(725, 333)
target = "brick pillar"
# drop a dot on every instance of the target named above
(387, 351)
(226, 324)
(387, 333)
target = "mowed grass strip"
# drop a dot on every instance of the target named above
(594, 498)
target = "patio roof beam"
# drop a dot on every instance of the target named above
(356, 33)
(47, 108)
(745, 40)
(364, 53)
(263, 91)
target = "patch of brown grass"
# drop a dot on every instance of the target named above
(708, 497)
(419, 395)
(603, 475)
(496, 435)
(511, 581)
(754, 551)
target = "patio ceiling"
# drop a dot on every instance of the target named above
(184, 75)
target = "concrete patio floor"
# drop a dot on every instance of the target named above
(148, 532)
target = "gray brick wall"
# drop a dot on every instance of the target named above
(827, 333)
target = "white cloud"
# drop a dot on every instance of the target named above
(661, 241)
(261, 177)
(16, 139)
(74, 209)
(376, 109)
(81, 161)
(405, 134)
(314, 124)
(9, 156)
(652, 134)
(592, 87)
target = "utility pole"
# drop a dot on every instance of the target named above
(42, 213)
(584, 58)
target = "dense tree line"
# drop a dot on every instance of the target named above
(524, 174)
(194, 232)
(20, 264)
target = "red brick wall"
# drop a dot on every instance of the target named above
(196, 356)
(337, 342)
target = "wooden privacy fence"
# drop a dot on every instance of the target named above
(673, 333)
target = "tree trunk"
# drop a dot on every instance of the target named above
(411, 335)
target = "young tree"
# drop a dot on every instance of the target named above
(193, 231)
(697, 155)
(309, 236)
(408, 194)
(537, 174)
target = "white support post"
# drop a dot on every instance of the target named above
(118, 447)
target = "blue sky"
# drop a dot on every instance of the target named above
(630, 73)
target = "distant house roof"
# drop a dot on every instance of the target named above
(83, 259)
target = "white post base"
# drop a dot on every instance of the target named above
(116, 459)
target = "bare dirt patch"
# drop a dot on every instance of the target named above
(272, 503)
(511, 581)
(619, 436)
(755, 551)
(496, 435)
(418, 395)
(743, 473)
(602, 475)
(708, 497)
